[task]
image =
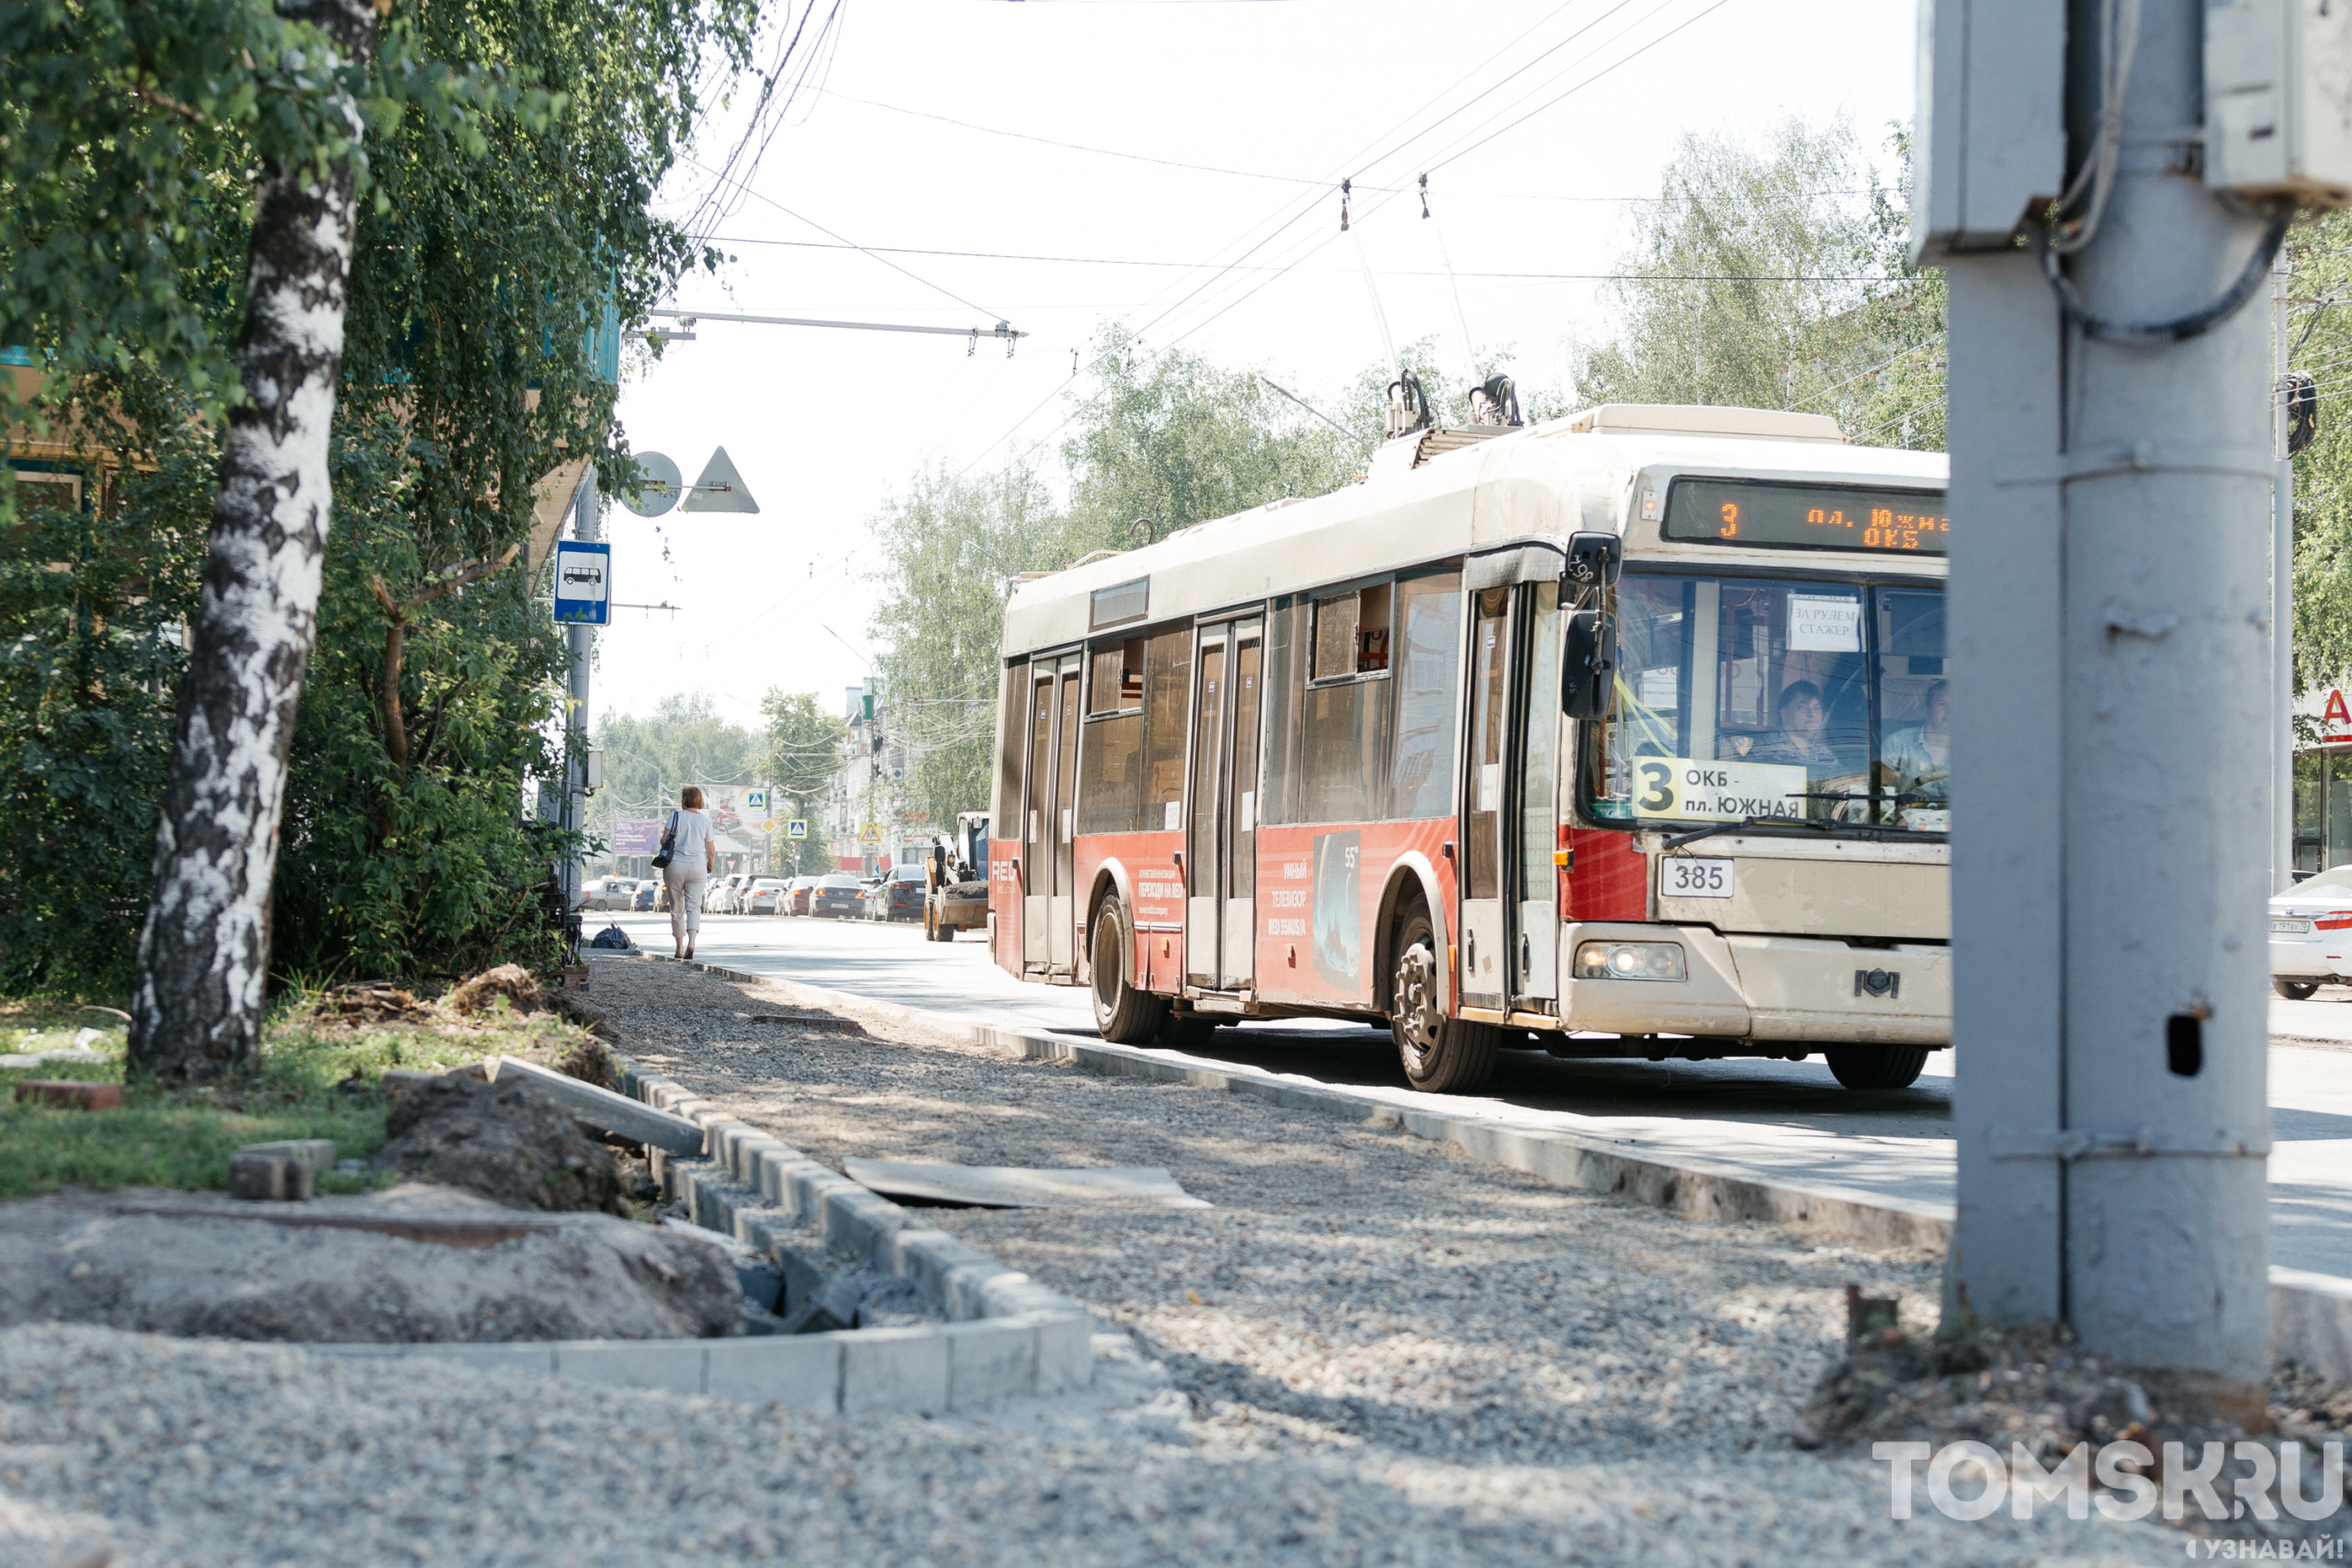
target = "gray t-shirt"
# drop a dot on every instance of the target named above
(690, 837)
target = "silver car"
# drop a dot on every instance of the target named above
(2310, 934)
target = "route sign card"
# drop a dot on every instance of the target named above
(583, 583)
(797, 829)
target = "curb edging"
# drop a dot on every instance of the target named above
(2311, 1314)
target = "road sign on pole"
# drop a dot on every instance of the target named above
(583, 582)
(663, 486)
(797, 829)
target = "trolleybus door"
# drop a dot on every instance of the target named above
(1485, 967)
(1046, 783)
(1510, 920)
(1535, 939)
(1220, 840)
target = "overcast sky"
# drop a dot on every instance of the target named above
(1238, 257)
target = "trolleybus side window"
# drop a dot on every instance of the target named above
(1742, 697)
(1283, 684)
(1429, 624)
(1343, 765)
(1166, 671)
(1015, 702)
(1111, 745)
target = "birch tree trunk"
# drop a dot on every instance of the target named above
(204, 950)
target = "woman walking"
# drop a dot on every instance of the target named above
(686, 838)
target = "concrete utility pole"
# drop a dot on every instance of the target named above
(2282, 597)
(582, 639)
(2110, 615)
(566, 808)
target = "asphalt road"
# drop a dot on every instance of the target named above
(1791, 1121)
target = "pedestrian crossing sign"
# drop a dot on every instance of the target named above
(797, 829)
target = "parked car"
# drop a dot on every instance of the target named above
(651, 893)
(897, 897)
(609, 893)
(718, 895)
(839, 894)
(765, 896)
(2310, 934)
(801, 890)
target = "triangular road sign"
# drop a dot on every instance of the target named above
(720, 488)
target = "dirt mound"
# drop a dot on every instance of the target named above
(511, 981)
(505, 1141)
(372, 1002)
(590, 1062)
(2035, 1386)
(91, 1257)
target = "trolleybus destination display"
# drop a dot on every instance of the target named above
(1776, 516)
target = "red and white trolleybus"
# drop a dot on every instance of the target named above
(1625, 735)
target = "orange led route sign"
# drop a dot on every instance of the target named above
(1775, 515)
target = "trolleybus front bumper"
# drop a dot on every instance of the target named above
(1742, 987)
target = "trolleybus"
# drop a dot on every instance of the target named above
(1625, 735)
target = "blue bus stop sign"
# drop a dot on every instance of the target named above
(583, 583)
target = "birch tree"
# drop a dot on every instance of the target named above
(204, 950)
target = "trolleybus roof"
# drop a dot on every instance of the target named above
(1531, 487)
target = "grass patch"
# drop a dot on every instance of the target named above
(314, 1080)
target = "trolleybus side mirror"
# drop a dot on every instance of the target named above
(1589, 664)
(1593, 559)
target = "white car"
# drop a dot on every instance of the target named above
(2310, 934)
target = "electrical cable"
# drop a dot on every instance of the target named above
(2180, 328)
(2119, 44)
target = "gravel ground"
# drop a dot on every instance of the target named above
(1386, 1352)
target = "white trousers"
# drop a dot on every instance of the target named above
(686, 882)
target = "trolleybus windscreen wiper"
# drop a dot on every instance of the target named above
(1776, 515)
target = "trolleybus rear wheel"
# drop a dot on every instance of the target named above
(1876, 1066)
(2295, 991)
(1445, 1056)
(1125, 1015)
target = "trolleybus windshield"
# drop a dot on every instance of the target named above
(1742, 697)
(1777, 514)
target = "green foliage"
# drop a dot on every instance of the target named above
(648, 760)
(804, 747)
(1180, 441)
(427, 867)
(90, 656)
(183, 1137)
(511, 152)
(954, 548)
(2321, 254)
(1776, 280)
(127, 131)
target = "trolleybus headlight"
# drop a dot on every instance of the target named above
(1631, 961)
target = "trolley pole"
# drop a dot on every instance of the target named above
(2111, 617)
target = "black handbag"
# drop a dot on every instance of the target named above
(669, 834)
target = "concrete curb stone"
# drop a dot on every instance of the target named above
(2311, 1313)
(1006, 1334)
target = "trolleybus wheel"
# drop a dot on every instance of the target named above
(1125, 1016)
(1445, 1056)
(2295, 991)
(1876, 1066)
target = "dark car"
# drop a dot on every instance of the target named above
(837, 895)
(901, 896)
(802, 889)
(645, 892)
